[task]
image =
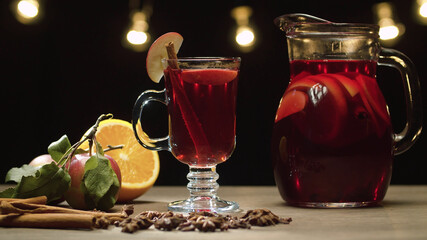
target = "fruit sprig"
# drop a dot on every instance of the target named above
(86, 181)
(88, 136)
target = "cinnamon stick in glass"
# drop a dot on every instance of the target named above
(191, 120)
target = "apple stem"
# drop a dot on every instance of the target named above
(87, 137)
(109, 148)
(114, 147)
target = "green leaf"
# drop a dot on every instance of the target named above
(59, 148)
(99, 150)
(100, 183)
(80, 151)
(91, 163)
(109, 198)
(8, 193)
(50, 181)
(15, 174)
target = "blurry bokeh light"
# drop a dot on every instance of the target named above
(420, 11)
(389, 32)
(245, 36)
(390, 28)
(137, 36)
(26, 11)
(423, 10)
(28, 8)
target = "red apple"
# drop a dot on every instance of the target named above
(41, 160)
(74, 195)
(38, 162)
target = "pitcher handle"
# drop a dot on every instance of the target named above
(411, 84)
(155, 144)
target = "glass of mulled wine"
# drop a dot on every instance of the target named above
(333, 142)
(200, 94)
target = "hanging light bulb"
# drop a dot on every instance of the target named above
(137, 37)
(138, 34)
(423, 10)
(245, 35)
(390, 28)
(420, 12)
(26, 11)
(28, 8)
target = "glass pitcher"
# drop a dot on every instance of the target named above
(332, 142)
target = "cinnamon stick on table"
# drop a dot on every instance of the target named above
(48, 220)
(36, 200)
(22, 214)
(21, 208)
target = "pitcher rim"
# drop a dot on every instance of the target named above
(330, 29)
(203, 59)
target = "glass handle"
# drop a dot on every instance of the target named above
(155, 144)
(411, 84)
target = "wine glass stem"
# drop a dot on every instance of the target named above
(202, 182)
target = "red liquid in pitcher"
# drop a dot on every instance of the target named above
(332, 138)
(202, 106)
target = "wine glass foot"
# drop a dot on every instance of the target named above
(204, 204)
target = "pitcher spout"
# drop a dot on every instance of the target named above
(287, 21)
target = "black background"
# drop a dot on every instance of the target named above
(60, 74)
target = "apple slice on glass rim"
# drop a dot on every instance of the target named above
(158, 51)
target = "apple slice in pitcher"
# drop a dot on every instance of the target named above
(347, 83)
(374, 96)
(329, 111)
(158, 51)
(375, 102)
(295, 98)
(301, 85)
(292, 102)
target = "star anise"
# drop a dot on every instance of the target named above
(168, 223)
(131, 225)
(263, 217)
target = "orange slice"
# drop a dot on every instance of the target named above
(139, 166)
